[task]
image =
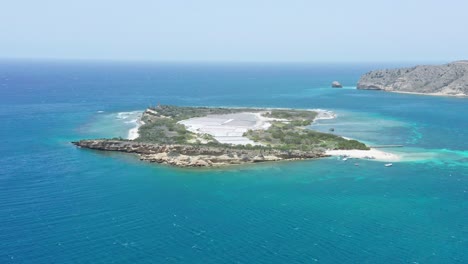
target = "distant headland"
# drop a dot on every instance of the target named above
(444, 80)
(208, 137)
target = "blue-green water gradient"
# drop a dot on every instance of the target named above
(60, 204)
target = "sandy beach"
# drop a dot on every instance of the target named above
(228, 128)
(133, 133)
(373, 154)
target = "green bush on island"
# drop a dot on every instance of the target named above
(293, 115)
(178, 113)
(288, 136)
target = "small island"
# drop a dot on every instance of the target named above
(207, 137)
(336, 84)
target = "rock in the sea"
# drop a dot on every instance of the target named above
(447, 79)
(336, 84)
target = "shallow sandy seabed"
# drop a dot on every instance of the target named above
(374, 154)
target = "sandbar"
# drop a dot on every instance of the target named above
(373, 154)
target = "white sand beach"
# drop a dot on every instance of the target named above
(229, 128)
(133, 133)
(374, 154)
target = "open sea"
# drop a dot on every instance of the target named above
(60, 204)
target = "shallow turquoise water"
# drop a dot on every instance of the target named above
(59, 204)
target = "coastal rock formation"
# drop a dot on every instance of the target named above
(336, 84)
(447, 79)
(197, 156)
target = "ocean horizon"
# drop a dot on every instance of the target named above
(61, 204)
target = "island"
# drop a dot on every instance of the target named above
(336, 84)
(208, 137)
(444, 80)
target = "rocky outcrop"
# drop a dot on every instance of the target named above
(447, 79)
(336, 84)
(196, 156)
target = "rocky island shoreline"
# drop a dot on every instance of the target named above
(197, 156)
(210, 137)
(443, 80)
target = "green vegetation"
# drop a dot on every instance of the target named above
(290, 136)
(161, 124)
(293, 115)
(178, 113)
(161, 127)
(164, 130)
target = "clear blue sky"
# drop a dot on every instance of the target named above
(237, 30)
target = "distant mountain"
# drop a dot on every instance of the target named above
(447, 79)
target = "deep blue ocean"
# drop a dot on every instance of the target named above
(60, 204)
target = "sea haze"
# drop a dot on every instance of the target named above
(60, 204)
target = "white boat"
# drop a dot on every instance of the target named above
(388, 164)
(345, 159)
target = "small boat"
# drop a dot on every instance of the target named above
(356, 164)
(388, 164)
(345, 159)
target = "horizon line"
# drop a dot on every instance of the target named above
(272, 62)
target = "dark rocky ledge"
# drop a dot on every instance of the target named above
(196, 156)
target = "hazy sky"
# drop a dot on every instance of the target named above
(238, 30)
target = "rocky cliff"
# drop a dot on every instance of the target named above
(196, 156)
(447, 79)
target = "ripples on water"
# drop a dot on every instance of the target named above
(59, 204)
